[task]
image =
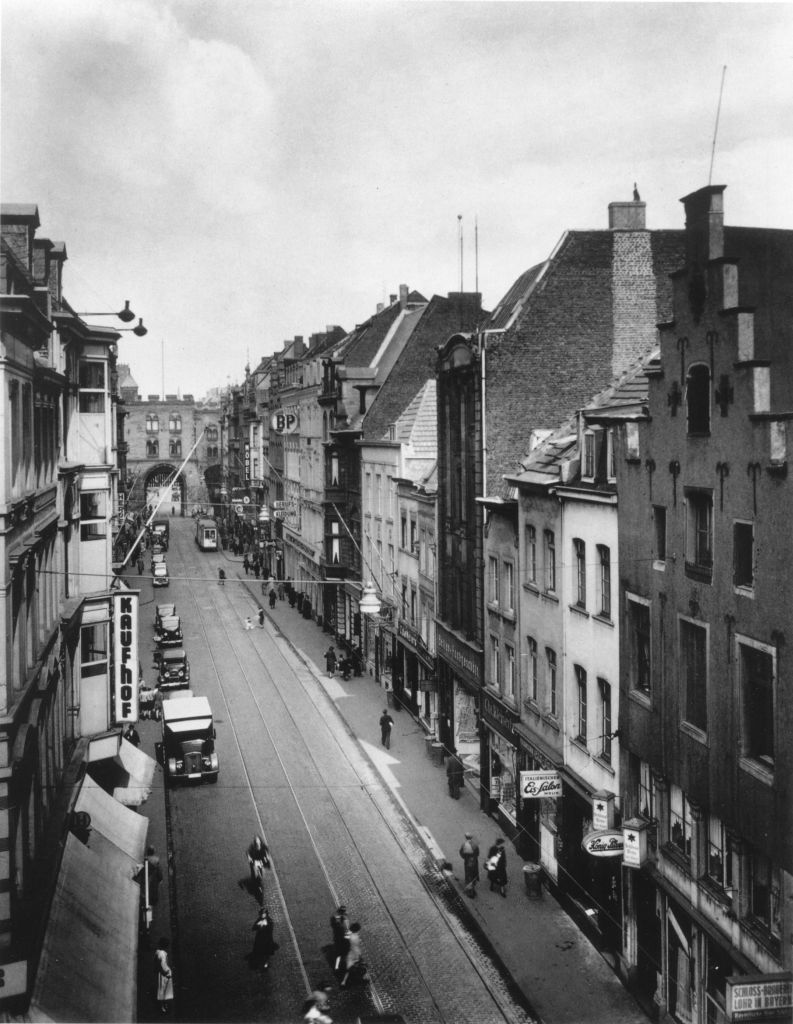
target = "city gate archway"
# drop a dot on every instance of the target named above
(159, 479)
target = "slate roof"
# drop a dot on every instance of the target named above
(361, 346)
(513, 302)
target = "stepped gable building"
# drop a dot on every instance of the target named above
(706, 695)
(159, 432)
(398, 455)
(566, 328)
(353, 373)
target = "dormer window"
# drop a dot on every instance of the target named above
(588, 462)
(698, 400)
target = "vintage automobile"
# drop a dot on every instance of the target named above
(169, 633)
(174, 671)
(160, 531)
(157, 558)
(159, 575)
(160, 612)
(188, 740)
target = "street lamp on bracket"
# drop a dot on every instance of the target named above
(126, 316)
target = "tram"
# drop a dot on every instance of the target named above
(206, 534)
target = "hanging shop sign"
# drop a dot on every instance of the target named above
(499, 717)
(634, 834)
(603, 810)
(283, 422)
(125, 657)
(540, 785)
(606, 843)
(759, 997)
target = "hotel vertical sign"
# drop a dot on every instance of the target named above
(125, 656)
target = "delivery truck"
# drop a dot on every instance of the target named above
(188, 740)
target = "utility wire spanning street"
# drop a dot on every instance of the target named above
(296, 767)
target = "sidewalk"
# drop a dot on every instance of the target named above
(560, 972)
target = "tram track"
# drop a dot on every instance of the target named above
(368, 781)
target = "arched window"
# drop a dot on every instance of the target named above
(152, 449)
(175, 423)
(211, 433)
(152, 423)
(698, 399)
(175, 448)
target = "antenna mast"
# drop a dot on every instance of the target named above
(476, 255)
(460, 232)
(716, 128)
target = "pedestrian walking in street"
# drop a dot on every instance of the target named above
(246, 564)
(469, 851)
(155, 875)
(164, 976)
(339, 925)
(222, 577)
(497, 867)
(316, 1006)
(248, 623)
(264, 944)
(454, 774)
(272, 597)
(386, 724)
(256, 570)
(281, 594)
(330, 661)
(131, 735)
(141, 565)
(261, 618)
(258, 859)
(354, 966)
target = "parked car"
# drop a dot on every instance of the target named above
(159, 575)
(174, 671)
(160, 612)
(169, 633)
(157, 557)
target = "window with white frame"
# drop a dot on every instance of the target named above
(718, 864)
(699, 532)
(93, 650)
(509, 671)
(93, 515)
(152, 423)
(581, 701)
(534, 684)
(637, 612)
(494, 580)
(509, 587)
(647, 792)
(92, 386)
(550, 664)
(531, 554)
(495, 662)
(579, 556)
(604, 691)
(679, 820)
(588, 464)
(604, 561)
(175, 423)
(550, 560)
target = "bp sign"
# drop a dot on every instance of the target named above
(283, 422)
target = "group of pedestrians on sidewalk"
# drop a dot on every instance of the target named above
(495, 865)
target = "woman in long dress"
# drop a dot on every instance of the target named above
(164, 976)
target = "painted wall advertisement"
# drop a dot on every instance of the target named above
(125, 656)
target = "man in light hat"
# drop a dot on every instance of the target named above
(469, 851)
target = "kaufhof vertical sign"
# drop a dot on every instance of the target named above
(125, 657)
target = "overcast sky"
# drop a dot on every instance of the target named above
(244, 171)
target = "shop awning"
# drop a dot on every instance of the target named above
(116, 833)
(89, 961)
(121, 768)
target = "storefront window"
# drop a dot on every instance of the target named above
(503, 767)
